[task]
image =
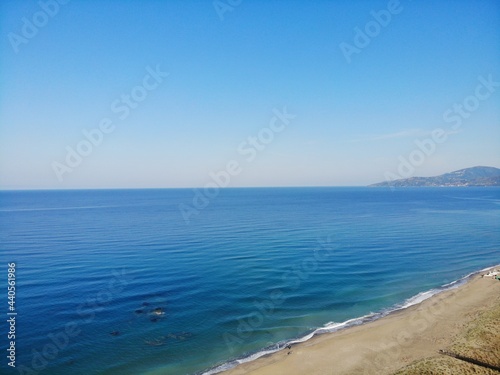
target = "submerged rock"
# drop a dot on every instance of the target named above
(158, 311)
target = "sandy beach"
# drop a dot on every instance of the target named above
(391, 343)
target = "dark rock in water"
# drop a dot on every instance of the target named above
(139, 311)
(158, 311)
(154, 320)
(115, 333)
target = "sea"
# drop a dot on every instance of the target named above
(183, 281)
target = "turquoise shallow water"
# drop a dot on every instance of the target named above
(253, 270)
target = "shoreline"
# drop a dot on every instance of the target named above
(382, 338)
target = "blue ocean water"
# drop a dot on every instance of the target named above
(116, 282)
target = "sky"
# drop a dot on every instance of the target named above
(160, 94)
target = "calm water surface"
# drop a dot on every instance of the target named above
(256, 268)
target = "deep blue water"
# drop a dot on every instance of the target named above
(255, 268)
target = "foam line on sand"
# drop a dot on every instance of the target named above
(387, 344)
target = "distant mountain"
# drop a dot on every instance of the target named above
(475, 176)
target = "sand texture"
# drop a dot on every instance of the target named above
(464, 321)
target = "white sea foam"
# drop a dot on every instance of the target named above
(334, 327)
(229, 365)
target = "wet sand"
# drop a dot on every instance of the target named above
(388, 344)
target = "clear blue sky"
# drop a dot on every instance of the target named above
(354, 121)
